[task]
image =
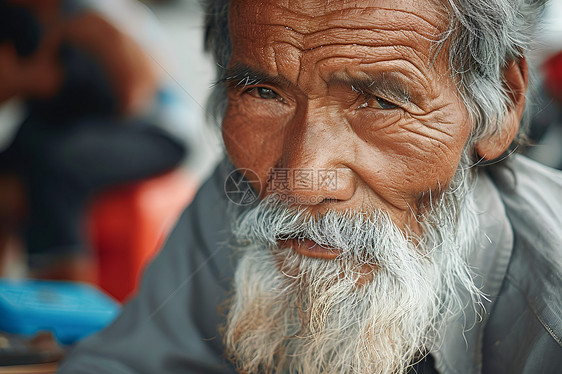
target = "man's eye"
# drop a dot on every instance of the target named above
(377, 103)
(264, 93)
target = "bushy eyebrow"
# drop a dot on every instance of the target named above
(243, 75)
(384, 84)
(379, 84)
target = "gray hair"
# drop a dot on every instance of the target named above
(483, 36)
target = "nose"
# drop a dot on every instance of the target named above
(314, 167)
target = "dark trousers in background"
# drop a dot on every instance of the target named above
(64, 165)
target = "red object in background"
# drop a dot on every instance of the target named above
(130, 223)
(553, 76)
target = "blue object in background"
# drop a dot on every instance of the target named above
(70, 310)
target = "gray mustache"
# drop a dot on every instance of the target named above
(356, 234)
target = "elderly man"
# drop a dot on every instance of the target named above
(392, 232)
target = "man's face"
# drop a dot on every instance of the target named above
(351, 87)
(347, 86)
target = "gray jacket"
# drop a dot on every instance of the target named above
(171, 325)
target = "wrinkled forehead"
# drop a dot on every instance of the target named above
(308, 42)
(310, 21)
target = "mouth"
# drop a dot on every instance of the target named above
(310, 248)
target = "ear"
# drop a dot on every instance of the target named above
(516, 80)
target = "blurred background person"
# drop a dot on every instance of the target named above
(546, 125)
(99, 112)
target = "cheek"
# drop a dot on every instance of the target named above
(251, 142)
(413, 155)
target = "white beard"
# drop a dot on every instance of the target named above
(296, 314)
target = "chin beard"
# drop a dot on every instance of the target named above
(374, 309)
